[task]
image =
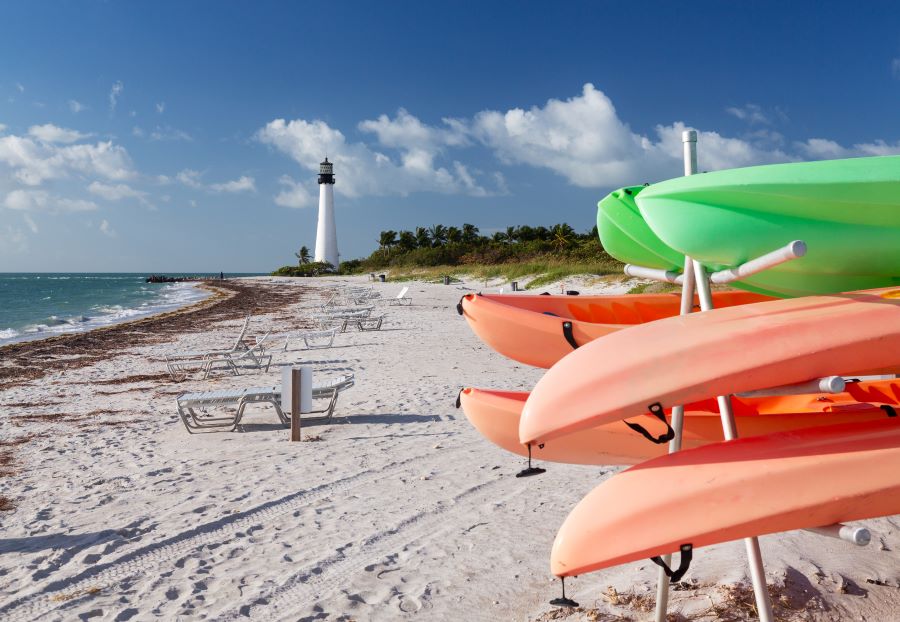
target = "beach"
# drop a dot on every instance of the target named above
(397, 509)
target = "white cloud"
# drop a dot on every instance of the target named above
(30, 222)
(192, 203)
(190, 178)
(751, 113)
(824, 149)
(2, 127)
(118, 192)
(161, 107)
(364, 170)
(294, 194)
(106, 229)
(895, 68)
(114, 93)
(34, 200)
(20, 87)
(34, 162)
(242, 184)
(137, 131)
(50, 133)
(12, 240)
(164, 133)
(76, 106)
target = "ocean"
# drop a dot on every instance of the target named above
(34, 306)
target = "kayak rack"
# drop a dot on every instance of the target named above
(695, 277)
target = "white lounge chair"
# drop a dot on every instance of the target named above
(370, 323)
(238, 346)
(315, 339)
(339, 324)
(254, 357)
(402, 298)
(193, 407)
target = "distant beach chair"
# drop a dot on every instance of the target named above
(402, 298)
(193, 408)
(335, 323)
(315, 339)
(370, 323)
(238, 345)
(254, 357)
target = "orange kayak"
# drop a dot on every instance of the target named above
(689, 358)
(732, 490)
(496, 415)
(540, 330)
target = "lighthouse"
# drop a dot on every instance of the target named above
(326, 233)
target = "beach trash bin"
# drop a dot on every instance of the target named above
(515, 286)
(381, 278)
(446, 280)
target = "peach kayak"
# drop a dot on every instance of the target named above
(540, 330)
(496, 415)
(685, 359)
(732, 490)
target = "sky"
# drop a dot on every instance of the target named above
(185, 136)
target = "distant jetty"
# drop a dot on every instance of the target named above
(161, 278)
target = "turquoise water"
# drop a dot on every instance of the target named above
(33, 306)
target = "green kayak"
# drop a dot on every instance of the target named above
(626, 236)
(847, 212)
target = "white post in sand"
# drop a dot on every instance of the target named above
(326, 233)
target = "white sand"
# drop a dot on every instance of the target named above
(400, 511)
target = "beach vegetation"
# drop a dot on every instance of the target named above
(312, 268)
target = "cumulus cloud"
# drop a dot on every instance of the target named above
(114, 93)
(825, 149)
(33, 162)
(50, 133)
(118, 192)
(367, 170)
(751, 113)
(106, 229)
(242, 184)
(35, 200)
(294, 194)
(193, 179)
(76, 106)
(167, 133)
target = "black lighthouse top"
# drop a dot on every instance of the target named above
(326, 172)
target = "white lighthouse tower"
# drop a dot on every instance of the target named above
(326, 233)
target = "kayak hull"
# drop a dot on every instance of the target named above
(847, 212)
(531, 329)
(732, 490)
(685, 359)
(496, 414)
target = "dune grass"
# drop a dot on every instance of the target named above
(544, 272)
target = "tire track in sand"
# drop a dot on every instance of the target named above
(145, 560)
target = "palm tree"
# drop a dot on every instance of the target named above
(302, 255)
(526, 233)
(387, 239)
(469, 233)
(406, 241)
(562, 235)
(438, 235)
(499, 236)
(454, 235)
(423, 238)
(512, 234)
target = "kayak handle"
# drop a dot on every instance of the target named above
(656, 410)
(567, 333)
(687, 552)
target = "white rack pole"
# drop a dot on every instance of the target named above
(754, 555)
(828, 384)
(860, 536)
(686, 280)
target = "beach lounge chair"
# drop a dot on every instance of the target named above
(254, 357)
(402, 298)
(335, 323)
(315, 339)
(239, 344)
(193, 408)
(370, 323)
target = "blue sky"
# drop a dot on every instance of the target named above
(184, 136)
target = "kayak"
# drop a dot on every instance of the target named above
(847, 212)
(496, 415)
(540, 330)
(732, 490)
(626, 236)
(684, 359)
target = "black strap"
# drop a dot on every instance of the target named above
(656, 410)
(458, 396)
(890, 410)
(459, 308)
(567, 333)
(687, 552)
(545, 293)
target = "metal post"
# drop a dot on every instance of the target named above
(689, 139)
(754, 555)
(295, 403)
